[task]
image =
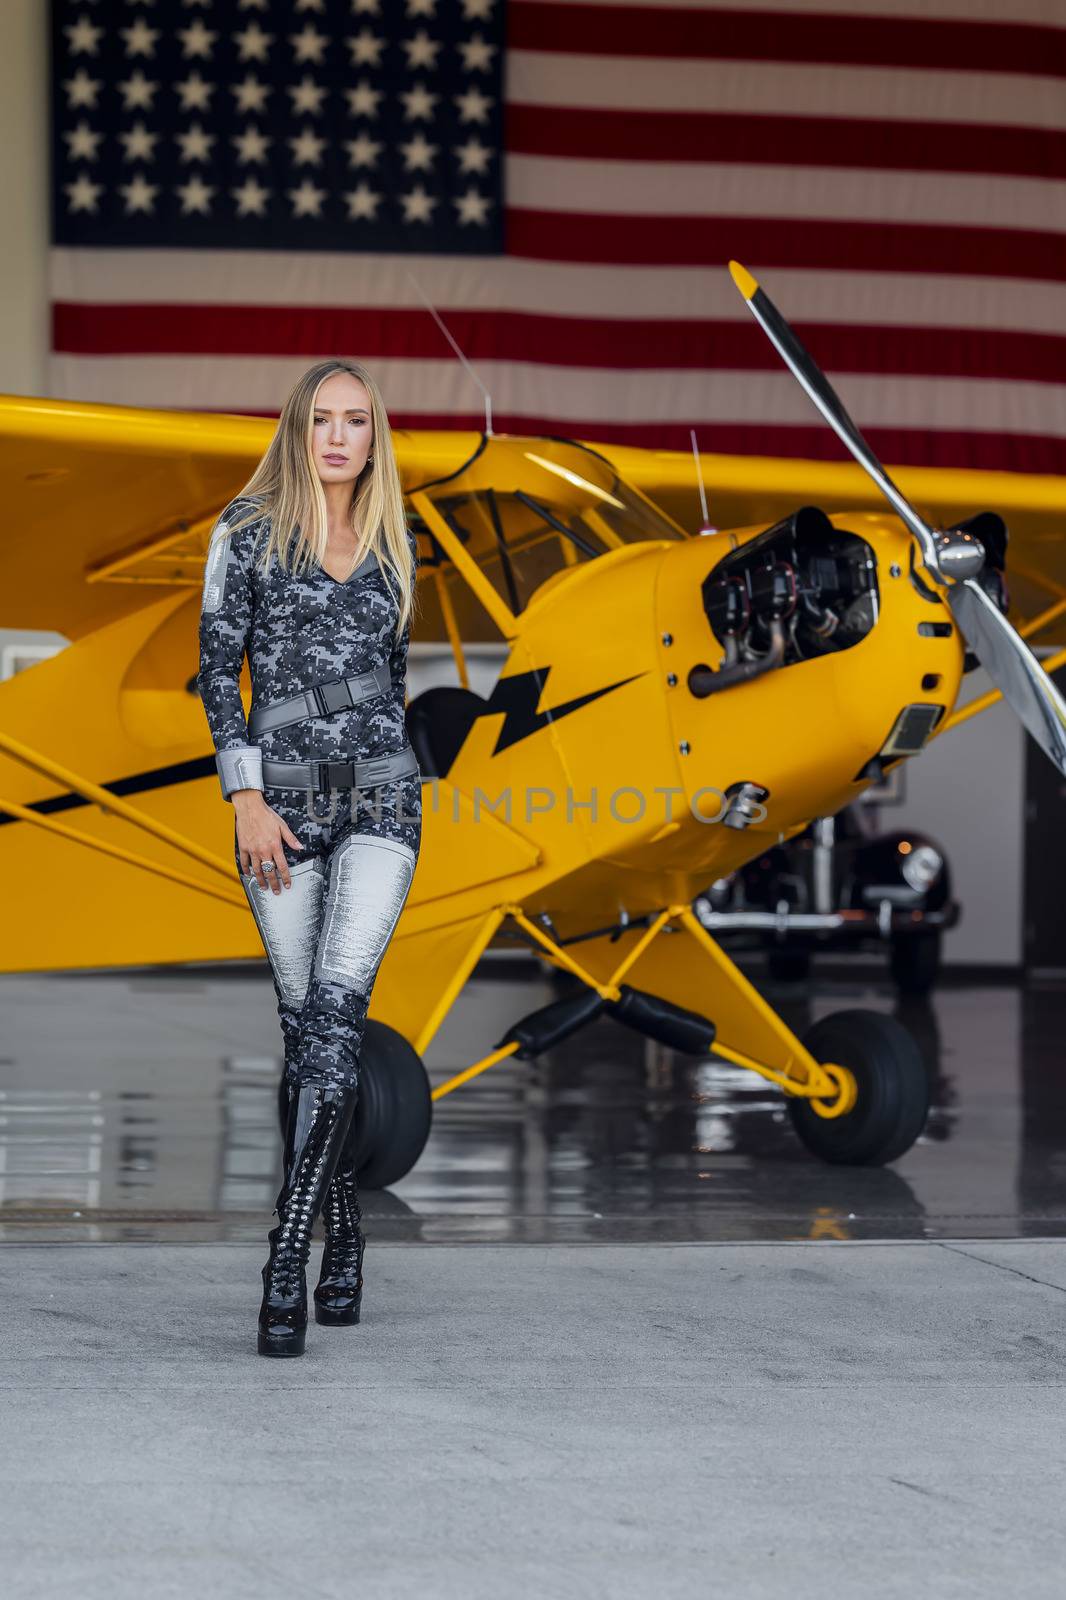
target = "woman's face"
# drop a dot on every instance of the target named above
(343, 436)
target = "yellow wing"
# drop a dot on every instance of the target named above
(108, 508)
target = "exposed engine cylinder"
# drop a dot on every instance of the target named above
(804, 577)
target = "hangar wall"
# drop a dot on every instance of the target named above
(24, 168)
(966, 790)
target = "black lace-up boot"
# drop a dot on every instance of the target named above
(317, 1125)
(339, 1291)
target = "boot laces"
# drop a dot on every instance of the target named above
(344, 1236)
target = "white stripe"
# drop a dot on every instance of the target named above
(688, 189)
(625, 83)
(547, 288)
(1048, 12)
(578, 396)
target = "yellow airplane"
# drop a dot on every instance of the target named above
(672, 703)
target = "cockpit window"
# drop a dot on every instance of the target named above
(568, 506)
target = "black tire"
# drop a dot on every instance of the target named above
(894, 1090)
(915, 961)
(394, 1112)
(788, 964)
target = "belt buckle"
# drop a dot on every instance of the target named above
(334, 696)
(321, 709)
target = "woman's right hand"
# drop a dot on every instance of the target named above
(260, 836)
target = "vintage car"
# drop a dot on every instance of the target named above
(842, 883)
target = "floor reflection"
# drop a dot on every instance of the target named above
(142, 1107)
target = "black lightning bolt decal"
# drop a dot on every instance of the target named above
(517, 698)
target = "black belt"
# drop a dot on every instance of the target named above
(365, 774)
(321, 700)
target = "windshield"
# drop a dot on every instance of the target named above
(528, 508)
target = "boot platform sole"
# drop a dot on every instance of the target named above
(278, 1344)
(336, 1319)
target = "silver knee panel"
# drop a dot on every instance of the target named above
(289, 925)
(368, 883)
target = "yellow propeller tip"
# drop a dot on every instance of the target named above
(743, 280)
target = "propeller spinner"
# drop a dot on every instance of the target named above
(954, 559)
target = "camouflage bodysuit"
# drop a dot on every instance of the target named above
(326, 935)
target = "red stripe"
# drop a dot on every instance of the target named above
(389, 333)
(713, 136)
(902, 447)
(575, 29)
(816, 245)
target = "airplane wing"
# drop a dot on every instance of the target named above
(108, 509)
(747, 490)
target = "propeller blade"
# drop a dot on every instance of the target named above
(811, 378)
(1006, 657)
(1012, 667)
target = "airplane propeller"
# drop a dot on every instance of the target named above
(954, 558)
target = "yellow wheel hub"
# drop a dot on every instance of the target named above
(849, 1091)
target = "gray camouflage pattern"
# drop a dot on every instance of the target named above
(325, 937)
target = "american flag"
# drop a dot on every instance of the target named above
(243, 186)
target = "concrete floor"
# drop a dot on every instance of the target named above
(603, 1421)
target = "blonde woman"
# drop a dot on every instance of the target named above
(311, 570)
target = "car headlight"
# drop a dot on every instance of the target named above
(921, 865)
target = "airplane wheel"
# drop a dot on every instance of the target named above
(915, 962)
(893, 1090)
(394, 1111)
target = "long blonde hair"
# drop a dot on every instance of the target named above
(289, 492)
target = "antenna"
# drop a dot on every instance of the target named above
(706, 527)
(440, 324)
